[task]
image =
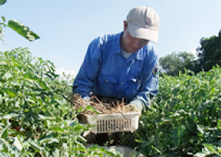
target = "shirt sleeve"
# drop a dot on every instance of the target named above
(85, 78)
(149, 84)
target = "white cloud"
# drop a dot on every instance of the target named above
(61, 71)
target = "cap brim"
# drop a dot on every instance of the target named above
(143, 33)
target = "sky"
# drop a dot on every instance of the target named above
(67, 27)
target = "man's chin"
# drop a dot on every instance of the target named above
(133, 51)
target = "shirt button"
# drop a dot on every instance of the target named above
(122, 83)
(106, 81)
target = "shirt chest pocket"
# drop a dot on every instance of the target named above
(107, 85)
(133, 86)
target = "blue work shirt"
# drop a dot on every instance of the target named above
(106, 72)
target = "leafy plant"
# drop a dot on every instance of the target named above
(2, 2)
(175, 62)
(17, 27)
(36, 118)
(184, 119)
(209, 53)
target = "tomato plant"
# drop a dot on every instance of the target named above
(184, 118)
(36, 118)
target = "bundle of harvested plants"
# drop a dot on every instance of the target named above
(102, 105)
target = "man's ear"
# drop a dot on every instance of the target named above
(125, 25)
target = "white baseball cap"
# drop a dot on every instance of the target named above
(143, 23)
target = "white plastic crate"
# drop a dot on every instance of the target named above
(116, 122)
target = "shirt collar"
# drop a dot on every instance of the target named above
(117, 48)
(139, 54)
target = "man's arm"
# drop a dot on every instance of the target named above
(149, 85)
(86, 76)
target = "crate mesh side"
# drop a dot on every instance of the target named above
(113, 125)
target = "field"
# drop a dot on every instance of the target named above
(37, 119)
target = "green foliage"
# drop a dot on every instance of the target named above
(36, 118)
(209, 53)
(17, 27)
(173, 63)
(2, 2)
(22, 30)
(184, 119)
(2, 24)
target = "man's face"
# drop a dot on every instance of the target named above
(129, 43)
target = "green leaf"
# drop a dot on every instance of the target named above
(2, 2)
(56, 153)
(82, 139)
(17, 144)
(22, 30)
(9, 116)
(5, 144)
(71, 122)
(7, 75)
(200, 129)
(157, 150)
(103, 150)
(60, 102)
(91, 108)
(178, 134)
(1, 34)
(201, 154)
(80, 147)
(79, 128)
(3, 63)
(42, 117)
(212, 148)
(11, 93)
(5, 133)
(3, 18)
(49, 141)
(35, 146)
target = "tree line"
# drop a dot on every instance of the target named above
(208, 55)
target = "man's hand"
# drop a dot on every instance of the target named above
(86, 101)
(133, 108)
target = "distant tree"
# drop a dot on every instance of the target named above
(17, 27)
(175, 62)
(209, 53)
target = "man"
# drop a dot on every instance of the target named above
(123, 65)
